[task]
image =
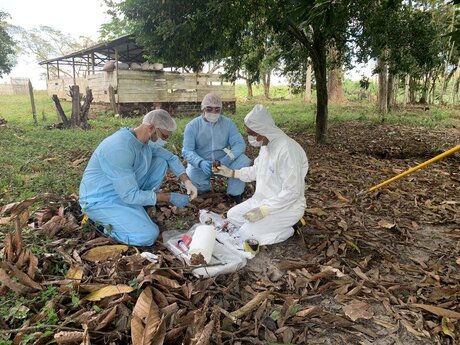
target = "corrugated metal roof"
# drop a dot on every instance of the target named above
(126, 47)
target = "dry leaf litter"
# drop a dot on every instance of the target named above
(381, 268)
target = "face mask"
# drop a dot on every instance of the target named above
(254, 142)
(160, 142)
(211, 117)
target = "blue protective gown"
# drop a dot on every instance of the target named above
(204, 140)
(122, 176)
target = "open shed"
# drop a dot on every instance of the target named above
(133, 84)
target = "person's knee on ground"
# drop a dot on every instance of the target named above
(257, 232)
(235, 214)
(199, 179)
(146, 237)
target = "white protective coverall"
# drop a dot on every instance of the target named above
(279, 172)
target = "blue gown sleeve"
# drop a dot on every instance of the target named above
(174, 163)
(189, 147)
(117, 164)
(236, 143)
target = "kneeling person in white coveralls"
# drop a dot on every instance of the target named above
(279, 171)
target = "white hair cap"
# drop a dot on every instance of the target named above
(211, 100)
(161, 119)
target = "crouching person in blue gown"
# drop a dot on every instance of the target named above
(124, 174)
(209, 137)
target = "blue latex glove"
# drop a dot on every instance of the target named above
(179, 200)
(206, 167)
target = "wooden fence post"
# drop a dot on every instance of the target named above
(32, 102)
(113, 103)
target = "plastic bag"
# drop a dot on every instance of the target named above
(228, 255)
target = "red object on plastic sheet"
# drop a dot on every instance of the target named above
(187, 239)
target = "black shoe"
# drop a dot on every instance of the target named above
(238, 199)
(301, 223)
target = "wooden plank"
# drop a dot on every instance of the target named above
(182, 85)
(182, 97)
(158, 96)
(224, 95)
(220, 88)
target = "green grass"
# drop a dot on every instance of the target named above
(36, 159)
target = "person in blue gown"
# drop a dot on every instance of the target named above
(210, 137)
(124, 175)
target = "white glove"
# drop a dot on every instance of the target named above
(191, 189)
(227, 172)
(256, 214)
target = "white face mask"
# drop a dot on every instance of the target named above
(254, 142)
(211, 117)
(160, 142)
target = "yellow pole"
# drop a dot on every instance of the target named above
(411, 170)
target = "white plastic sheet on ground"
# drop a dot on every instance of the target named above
(228, 255)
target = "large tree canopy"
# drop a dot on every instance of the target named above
(7, 46)
(188, 33)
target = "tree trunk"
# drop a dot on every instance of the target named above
(383, 87)
(406, 89)
(432, 89)
(455, 91)
(423, 97)
(249, 87)
(334, 80)
(266, 82)
(412, 90)
(75, 116)
(307, 97)
(394, 99)
(85, 108)
(390, 91)
(79, 116)
(334, 85)
(456, 85)
(60, 111)
(318, 56)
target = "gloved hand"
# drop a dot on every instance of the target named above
(179, 200)
(191, 189)
(256, 214)
(224, 171)
(206, 167)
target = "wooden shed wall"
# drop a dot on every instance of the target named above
(61, 86)
(147, 86)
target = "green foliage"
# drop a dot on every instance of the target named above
(75, 298)
(48, 293)
(118, 26)
(7, 46)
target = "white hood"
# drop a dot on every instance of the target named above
(260, 121)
